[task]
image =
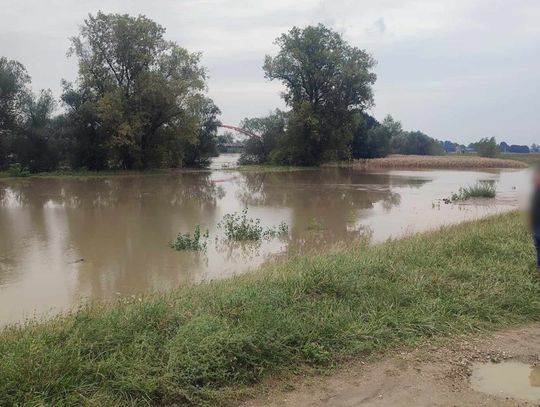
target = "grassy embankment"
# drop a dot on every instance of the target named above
(435, 162)
(208, 343)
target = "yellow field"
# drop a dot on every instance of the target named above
(447, 161)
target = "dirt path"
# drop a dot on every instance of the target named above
(432, 376)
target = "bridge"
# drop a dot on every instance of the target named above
(239, 130)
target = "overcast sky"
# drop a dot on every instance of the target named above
(455, 69)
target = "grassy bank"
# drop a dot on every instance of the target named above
(531, 159)
(441, 162)
(206, 344)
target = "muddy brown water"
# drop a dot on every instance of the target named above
(508, 379)
(67, 240)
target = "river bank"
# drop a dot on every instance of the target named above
(210, 343)
(228, 162)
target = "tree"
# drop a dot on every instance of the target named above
(87, 145)
(268, 131)
(327, 81)
(199, 153)
(223, 140)
(416, 142)
(14, 81)
(361, 143)
(487, 147)
(143, 92)
(376, 140)
(35, 144)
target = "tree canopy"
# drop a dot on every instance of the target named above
(146, 92)
(326, 81)
(139, 102)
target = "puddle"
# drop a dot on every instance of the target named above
(508, 379)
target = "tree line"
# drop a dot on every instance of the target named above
(488, 147)
(140, 101)
(328, 88)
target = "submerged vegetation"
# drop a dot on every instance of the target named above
(239, 227)
(315, 225)
(482, 189)
(185, 241)
(206, 344)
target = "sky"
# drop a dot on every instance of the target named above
(454, 69)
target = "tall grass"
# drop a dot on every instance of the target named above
(206, 344)
(451, 161)
(478, 190)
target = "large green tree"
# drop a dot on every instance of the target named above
(417, 143)
(268, 131)
(487, 147)
(146, 93)
(36, 144)
(326, 81)
(14, 92)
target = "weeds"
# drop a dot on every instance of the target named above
(184, 241)
(315, 225)
(16, 170)
(482, 189)
(239, 227)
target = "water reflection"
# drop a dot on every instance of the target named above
(64, 240)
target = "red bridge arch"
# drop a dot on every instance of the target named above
(239, 130)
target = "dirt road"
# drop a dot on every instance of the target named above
(431, 376)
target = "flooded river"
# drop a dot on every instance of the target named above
(66, 240)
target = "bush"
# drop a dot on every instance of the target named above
(482, 189)
(17, 170)
(239, 227)
(187, 242)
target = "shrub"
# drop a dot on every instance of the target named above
(184, 241)
(16, 170)
(482, 189)
(314, 224)
(239, 227)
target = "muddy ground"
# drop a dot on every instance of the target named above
(428, 376)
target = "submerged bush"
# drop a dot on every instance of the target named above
(315, 225)
(239, 227)
(184, 241)
(482, 189)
